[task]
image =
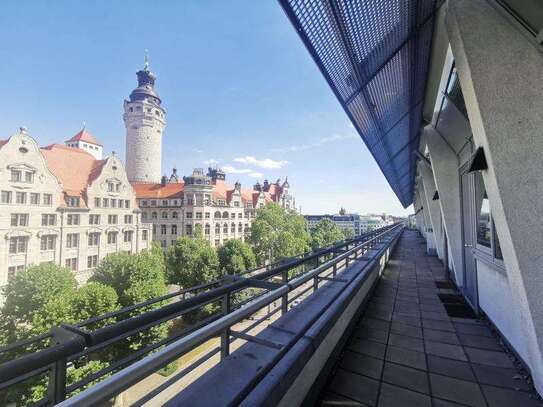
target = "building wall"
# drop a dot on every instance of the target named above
(21, 152)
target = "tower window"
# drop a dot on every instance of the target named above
(131, 109)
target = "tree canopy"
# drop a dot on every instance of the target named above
(191, 262)
(278, 233)
(235, 256)
(325, 233)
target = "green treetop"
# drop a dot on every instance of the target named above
(325, 233)
(235, 256)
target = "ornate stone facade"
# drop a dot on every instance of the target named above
(53, 212)
(204, 200)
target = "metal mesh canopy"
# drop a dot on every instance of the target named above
(374, 54)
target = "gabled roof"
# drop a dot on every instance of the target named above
(2, 142)
(159, 191)
(85, 136)
(74, 168)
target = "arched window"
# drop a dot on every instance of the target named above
(207, 229)
(233, 228)
(164, 215)
(225, 228)
(217, 228)
(217, 215)
(225, 215)
(154, 215)
(174, 214)
(240, 228)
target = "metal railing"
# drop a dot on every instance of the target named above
(68, 344)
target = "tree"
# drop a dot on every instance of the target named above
(191, 262)
(348, 234)
(235, 256)
(28, 291)
(325, 233)
(278, 233)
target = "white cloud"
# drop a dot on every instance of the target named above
(267, 163)
(229, 169)
(197, 150)
(319, 143)
(256, 175)
(211, 161)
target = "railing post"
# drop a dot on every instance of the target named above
(225, 336)
(284, 298)
(334, 269)
(57, 381)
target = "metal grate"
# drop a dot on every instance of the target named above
(374, 54)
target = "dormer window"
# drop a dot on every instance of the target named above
(18, 175)
(72, 201)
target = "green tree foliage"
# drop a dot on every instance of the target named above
(191, 262)
(325, 233)
(30, 289)
(348, 233)
(235, 256)
(277, 233)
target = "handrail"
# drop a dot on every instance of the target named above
(76, 341)
(134, 373)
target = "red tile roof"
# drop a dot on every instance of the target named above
(85, 136)
(73, 167)
(2, 142)
(157, 191)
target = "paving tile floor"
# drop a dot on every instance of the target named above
(407, 351)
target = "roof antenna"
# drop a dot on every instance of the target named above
(146, 61)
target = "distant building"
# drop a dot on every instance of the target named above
(358, 224)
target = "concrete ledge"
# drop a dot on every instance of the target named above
(258, 375)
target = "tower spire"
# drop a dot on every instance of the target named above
(146, 61)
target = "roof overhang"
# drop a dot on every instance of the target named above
(374, 55)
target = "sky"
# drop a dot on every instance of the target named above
(240, 91)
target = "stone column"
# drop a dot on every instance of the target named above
(434, 211)
(447, 179)
(501, 74)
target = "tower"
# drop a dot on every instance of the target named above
(144, 119)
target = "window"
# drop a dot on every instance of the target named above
(164, 215)
(233, 216)
(128, 236)
(217, 215)
(198, 215)
(97, 202)
(18, 244)
(189, 215)
(110, 187)
(233, 228)
(72, 264)
(5, 197)
(208, 215)
(163, 243)
(127, 204)
(34, 198)
(240, 228)
(162, 229)
(188, 230)
(48, 242)
(72, 240)
(486, 229)
(72, 220)
(94, 239)
(113, 203)
(154, 215)
(105, 201)
(144, 235)
(19, 219)
(48, 219)
(225, 215)
(92, 261)
(190, 201)
(174, 229)
(217, 229)
(164, 203)
(72, 201)
(12, 270)
(29, 176)
(112, 237)
(128, 219)
(16, 176)
(153, 203)
(207, 229)
(240, 215)
(154, 230)
(143, 203)
(236, 204)
(225, 228)
(48, 199)
(112, 219)
(20, 197)
(175, 214)
(94, 219)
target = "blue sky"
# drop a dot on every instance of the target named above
(238, 86)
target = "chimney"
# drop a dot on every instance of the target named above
(163, 180)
